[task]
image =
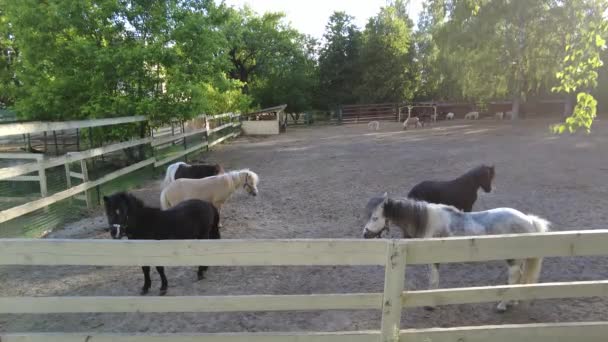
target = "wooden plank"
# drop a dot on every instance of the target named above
(172, 138)
(350, 336)
(13, 155)
(509, 246)
(24, 179)
(394, 280)
(217, 141)
(219, 128)
(85, 178)
(17, 170)
(219, 116)
(179, 154)
(39, 305)
(76, 175)
(42, 178)
(40, 126)
(18, 199)
(23, 209)
(544, 332)
(192, 252)
(267, 110)
(483, 294)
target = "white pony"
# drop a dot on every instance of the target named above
(214, 189)
(373, 125)
(425, 220)
(449, 116)
(472, 116)
(170, 175)
(415, 121)
(499, 115)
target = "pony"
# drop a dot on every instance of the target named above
(449, 116)
(460, 192)
(214, 189)
(196, 171)
(418, 219)
(415, 121)
(499, 115)
(472, 116)
(129, 217)
(373, 125)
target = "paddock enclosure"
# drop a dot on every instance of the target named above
(314, 183)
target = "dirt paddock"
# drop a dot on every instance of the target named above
(314, 183)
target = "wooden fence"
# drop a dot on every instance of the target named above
(42, 162)
(394, 255)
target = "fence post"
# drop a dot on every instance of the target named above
(85, 178)
(394, 280)
(42, 176)
(207, 131)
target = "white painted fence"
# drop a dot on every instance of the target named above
(392, 254)
(40, 164)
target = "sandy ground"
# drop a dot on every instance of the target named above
(314, 183)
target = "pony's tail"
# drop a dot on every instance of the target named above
(164, 201)
(533, 266)
(170, 174)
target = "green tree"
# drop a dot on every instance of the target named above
(339, 61)
(388, 71)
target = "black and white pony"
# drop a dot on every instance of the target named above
(460, 192)
(419, 219)
(191, 219)
(196, 171)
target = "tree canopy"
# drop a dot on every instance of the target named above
(70, 59)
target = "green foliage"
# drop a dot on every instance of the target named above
(104, 58)
(339, 61)
(387, 57)
(584, 45)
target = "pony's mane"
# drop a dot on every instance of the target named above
(408, 214)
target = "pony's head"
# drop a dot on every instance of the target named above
(118, 207)
(250, 182)
(485, 177)
(376, 221)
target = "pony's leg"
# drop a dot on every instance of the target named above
(514, 278)
(147, 281)
(433, 280)
(163, 279)
(201, 272)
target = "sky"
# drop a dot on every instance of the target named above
(311, 16)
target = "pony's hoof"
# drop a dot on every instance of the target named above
(143, 291)
(429, 308)
(162, 292)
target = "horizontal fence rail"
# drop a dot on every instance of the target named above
(392, 254)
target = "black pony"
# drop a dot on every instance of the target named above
(191, 219)
(460, 192)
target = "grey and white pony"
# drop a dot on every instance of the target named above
(419, 219)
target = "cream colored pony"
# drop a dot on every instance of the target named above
(214, 189)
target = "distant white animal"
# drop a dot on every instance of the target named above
(415, 121)
(472, 116)
(499, 115)
(449, 116)
(373, 125)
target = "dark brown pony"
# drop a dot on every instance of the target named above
(195, 171)
(460, 192)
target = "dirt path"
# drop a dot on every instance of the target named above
(314, 182)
